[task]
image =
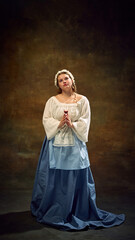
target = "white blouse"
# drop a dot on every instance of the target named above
(79, 114)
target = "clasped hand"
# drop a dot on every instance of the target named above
(67, 120)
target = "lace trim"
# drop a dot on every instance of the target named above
(64, 137)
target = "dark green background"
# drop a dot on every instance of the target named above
(95, 41)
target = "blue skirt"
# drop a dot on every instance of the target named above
(66, 199)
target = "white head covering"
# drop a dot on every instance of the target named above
(60, 72)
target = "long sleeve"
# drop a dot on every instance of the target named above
(81, 126)
(50, 124)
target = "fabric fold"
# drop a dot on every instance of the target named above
(66, 199)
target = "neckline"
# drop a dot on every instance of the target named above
(68, 103)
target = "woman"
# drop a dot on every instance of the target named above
(64, 190)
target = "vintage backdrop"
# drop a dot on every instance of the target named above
(95, 41)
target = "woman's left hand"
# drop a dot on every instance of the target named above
(68, 121)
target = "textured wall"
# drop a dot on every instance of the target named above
(95, 41)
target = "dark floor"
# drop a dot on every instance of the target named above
(16, 221)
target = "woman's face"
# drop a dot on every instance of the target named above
(64, 82)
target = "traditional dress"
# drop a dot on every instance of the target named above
(64, 191)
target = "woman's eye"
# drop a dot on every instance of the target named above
(66, 78)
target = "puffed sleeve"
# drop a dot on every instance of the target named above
(50, 124)
(81, 126)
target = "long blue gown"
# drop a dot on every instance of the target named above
(66, 199)
(64, 190)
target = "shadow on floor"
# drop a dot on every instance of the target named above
(17, 222)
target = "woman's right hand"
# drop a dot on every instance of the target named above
(62, 122)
